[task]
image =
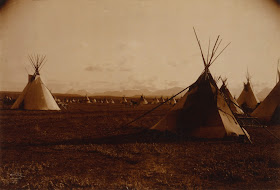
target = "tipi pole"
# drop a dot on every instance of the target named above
(200, 47)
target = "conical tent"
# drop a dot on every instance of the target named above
(123, 101)
(202, 112)
(267, 108)
(143, 100)
(162, 99)
(35, 95)
(172, 101)
(233, 105)
(155, 101)
(247, 98)
(87, 100)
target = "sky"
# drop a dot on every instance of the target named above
(101, 45)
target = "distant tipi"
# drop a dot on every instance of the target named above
(142, 100)
(202, 112)
(247, 99)
(35, 96)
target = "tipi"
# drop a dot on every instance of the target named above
(233, 105)
(247, 99)
(35, 96)
(172, 101)
(202, 112)
(268, 107)
(155, 101)
(142, 100)
(87, 100)
(123, 101)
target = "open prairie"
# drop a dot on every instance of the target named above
(87, 147)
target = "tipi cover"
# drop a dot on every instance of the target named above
(233, 105)
(276, 116)
(267, 108)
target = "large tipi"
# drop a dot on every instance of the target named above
(202, 112)
(247, 99)
(35, 96)
(233, 105)
(268, 108)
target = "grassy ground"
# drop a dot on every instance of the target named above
(87, 147)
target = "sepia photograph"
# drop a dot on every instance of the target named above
(139, 94)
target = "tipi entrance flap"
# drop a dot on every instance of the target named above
(231, 125)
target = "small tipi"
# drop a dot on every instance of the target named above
(233, 105)
(202, 112)
(247, 99)
(155, 101)
(142, 100)
(268, 108)
(87, 100)
(123, 101)
(35, 96)
(172, 101)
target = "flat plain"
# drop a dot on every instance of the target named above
(87, 146)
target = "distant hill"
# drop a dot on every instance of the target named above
(263, 93)
(77, 92)
(130, 93)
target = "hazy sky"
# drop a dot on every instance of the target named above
(133, 44)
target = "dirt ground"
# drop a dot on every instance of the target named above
(87, 147)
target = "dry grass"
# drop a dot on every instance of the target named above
(86, 147)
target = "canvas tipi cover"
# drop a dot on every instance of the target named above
(35, 96)
(202, 112)
(233, 105)
(268, 107)
(247, 98)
